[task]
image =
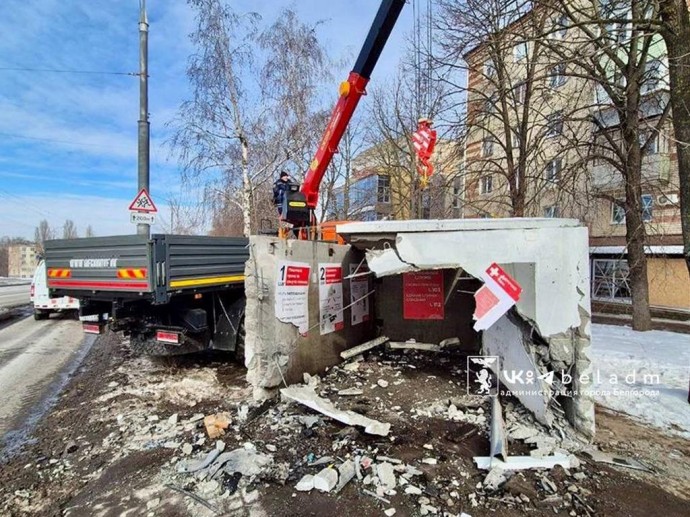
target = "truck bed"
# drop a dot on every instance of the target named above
(134, 266)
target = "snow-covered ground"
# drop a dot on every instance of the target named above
(643, 374)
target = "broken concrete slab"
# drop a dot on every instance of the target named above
(307, 397)
(350, 392)
(351, 352)
(346, 471)
(498, 444)
(247, 462)
(326, 480)
(522, 462)
(386, 475)
(195, 466)
(619, 461)
(306, 484)
(413, 345)
(413, 490)
(494, 479)
(450, 342)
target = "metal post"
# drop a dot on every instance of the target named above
(144, 126)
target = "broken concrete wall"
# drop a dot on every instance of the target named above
(274, 349)
(547, 257)
(456, 323)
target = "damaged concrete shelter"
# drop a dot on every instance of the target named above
(308, 301)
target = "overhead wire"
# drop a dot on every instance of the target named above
(64, 71)
(53, 140)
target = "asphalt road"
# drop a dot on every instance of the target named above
(34, 356)
(14, 295)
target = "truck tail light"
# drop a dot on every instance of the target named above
(91, 328)
(168, 337)
(32, 291)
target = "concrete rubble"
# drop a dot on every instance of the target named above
(315, 439)
(306, 396)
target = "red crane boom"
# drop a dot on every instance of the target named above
(350, 92)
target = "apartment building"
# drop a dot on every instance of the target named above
(21, 260)
(532, 150)
(386, 185)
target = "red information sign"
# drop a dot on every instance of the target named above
(295, 275)
(486, 300)
(332, 275)
(423, 295)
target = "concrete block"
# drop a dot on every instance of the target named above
(326, 480)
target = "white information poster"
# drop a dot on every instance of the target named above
(359, 301)
(292, 292)
(331, 298)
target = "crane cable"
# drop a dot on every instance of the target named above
(424, 139)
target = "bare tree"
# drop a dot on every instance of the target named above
(243, 124)
(69, 230)
(42, 233)
(676, 34)
(89, 232)
(616, 47)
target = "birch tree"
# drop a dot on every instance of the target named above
(243, 124)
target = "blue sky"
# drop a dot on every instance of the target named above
(68, 140)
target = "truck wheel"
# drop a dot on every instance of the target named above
(40, 315)
(140, 345)
(239, 346)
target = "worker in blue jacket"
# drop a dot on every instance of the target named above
(280, 188)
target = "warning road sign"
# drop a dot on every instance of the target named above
(143, 203)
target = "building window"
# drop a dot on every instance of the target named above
(490, 104)
(554, 124)
(486, 184)
(383, 190)
(515, 134)
(651, 80)
(610, 279)
(489, 69)
(553, 170)
(520, 51)
(647, 207)
(457, 196)
(520, 92)
(551, 212)
(649, 142)
(557, 77)
(560, 27)
(487, 147)
(617, 214)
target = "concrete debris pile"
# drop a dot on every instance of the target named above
(391, 430)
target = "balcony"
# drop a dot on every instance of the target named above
(656, 170)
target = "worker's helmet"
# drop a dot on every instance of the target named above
(424, 120)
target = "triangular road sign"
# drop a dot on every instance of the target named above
(143, 203)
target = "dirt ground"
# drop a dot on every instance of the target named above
(113, 443)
